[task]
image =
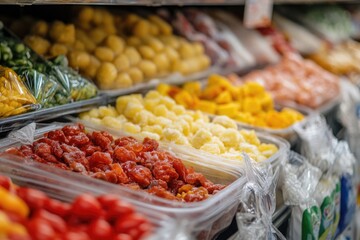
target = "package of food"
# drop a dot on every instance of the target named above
(36, 74)
(250, 105)
(252, 40)
(159, 117)
(80, 87)
(257, 204)
(185, 26)
(330, 22)
(298, 183)
(299, 37)
(317, 143)
(70, 213)
(336, 161)
(196, 211)
(15, 97)
(298, 81)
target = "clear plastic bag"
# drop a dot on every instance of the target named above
(318, 143)
(15, 98)
(203, 219)
(80, 87)
(300, 38)
(36, 73)
(299, 180)
(257, 203)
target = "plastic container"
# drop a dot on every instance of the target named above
(202, 219)
(35, 176)
(175, 78)
(10, 123)
(190, 153)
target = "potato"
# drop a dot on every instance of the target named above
(86, 14)
(171, 53)
(38, 44)
(40, 28)
(78, 45)
(148, 68)
(136, 75)
(163, 26)
(97, 35)
(58, 49)
(133, 55)
(121, 62)
(146, 52)
(91, 70)
(198, 48)
(106, 75)
(142, 28)
(56, 29)
(162, 62)
(186, 51)
(104, 54)
(83, 37)
(133, 41)
(98, 16)
(123, 80)
(115, 43)
(79, 59)
(156, 44)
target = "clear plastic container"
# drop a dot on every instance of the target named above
(35, 176)
(10, 123)
(287, 133)
(202, 219)
(175, 78)
(197, 156)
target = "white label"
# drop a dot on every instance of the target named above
(258, 13)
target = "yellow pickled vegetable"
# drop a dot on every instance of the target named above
(249, 103)
(15, 98)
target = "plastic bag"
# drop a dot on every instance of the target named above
(318, 143)
(300, 38)
(15, 98)
(298, 183)
(257, 203)
(37, 74)
(80, 87)
(253, 42)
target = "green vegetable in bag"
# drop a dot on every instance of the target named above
(81, 88)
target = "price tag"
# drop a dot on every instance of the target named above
(258, 13)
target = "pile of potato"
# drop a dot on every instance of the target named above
(118, 51)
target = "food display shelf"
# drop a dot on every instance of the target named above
(163, 2)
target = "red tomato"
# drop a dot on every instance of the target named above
(115, 208)
(100, 230)
(128, 223)
(40, 229)
(56, 222)
(122, 236)
(5, 182)
(86, 208)
(33, 198)
(56, 207)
